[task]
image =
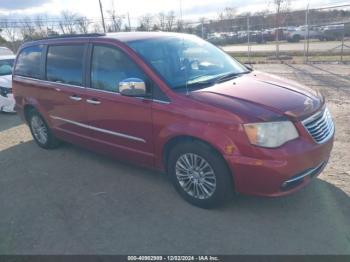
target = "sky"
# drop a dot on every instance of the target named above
(191, 9)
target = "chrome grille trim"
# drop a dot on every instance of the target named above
(298, 179)
(320, 126)
(306, 173)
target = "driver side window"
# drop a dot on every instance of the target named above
(110, 66)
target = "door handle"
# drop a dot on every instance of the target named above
(93, 101)
(75, 98)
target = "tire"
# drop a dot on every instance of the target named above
(296, 38)
(206, 195)
(41, 132)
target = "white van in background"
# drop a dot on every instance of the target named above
(7, 102)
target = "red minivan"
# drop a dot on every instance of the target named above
(176, 103)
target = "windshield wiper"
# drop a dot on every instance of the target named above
(199, 84)
(228, 76)
(211, 82)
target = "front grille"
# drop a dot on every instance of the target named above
(320, 126)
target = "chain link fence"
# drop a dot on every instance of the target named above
(310, 35)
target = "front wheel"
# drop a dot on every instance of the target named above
(199, 174)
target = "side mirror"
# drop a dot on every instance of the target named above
(132, 87)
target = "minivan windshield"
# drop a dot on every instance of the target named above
(186, 61)
(6, 67)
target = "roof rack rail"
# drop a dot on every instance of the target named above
(72, 35)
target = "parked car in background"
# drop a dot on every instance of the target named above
(255, 36)
(301, 33)
(7, 101)
(287, 30)
(333, 32)
(223, 38)
(176, 103)
(5, 51)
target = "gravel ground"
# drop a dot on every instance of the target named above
(72, 201)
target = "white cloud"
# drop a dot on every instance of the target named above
(20, 4)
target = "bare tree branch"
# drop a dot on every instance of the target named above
(83, 24)
(145, 22)
(170, 21)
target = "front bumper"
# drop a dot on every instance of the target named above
(7, 104)
(286, 169)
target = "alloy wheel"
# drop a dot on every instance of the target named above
(195, 175)
(39, 129)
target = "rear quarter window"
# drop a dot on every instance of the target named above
(28, 62)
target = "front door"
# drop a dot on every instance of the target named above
(119, 124)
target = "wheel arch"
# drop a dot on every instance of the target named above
(27, 109)
(187, 138)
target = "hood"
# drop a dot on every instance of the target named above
(263, 93)
(6, 81)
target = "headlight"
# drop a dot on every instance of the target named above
(5, 91)
(271, 134)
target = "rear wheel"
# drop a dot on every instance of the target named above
(199, 174)
(41, 132)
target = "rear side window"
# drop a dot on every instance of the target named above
(64, 64)
(28, 62)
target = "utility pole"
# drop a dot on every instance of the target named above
(129, 22)
(278, 5)
(306, 36)
(103, 20)
(248, 38)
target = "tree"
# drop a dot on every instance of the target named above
(162, 21)
(117, 20)
(27, 29)
(68, 22)
(40, 25)
(228, 13)
(180, 26)
(170, 21)
(96, 28)
(9, 31)
(2, 40)
(145, 22)
(83, 24)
